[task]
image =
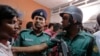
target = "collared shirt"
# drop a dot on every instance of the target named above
(29, 38)
(5, 50)
(79, 45)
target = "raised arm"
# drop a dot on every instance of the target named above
(35, 48)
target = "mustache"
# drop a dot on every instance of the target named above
(37, 23)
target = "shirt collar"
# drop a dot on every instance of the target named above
(33, 32)
(81, 32)
(6, 47)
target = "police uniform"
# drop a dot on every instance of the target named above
(29, 38)
(81, 45)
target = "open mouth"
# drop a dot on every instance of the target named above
(37, 25)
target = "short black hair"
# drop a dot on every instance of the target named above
(98, 19)
(7, 12)
(57, 26)
(50, 25)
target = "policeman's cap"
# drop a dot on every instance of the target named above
(39, 12)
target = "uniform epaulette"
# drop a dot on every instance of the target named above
(88, 34)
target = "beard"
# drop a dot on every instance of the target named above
(64, 28)
(67, 28)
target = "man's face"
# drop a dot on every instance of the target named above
(65, 20)
(9, 27)
(39, 22)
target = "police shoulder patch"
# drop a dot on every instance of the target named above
(95, 49)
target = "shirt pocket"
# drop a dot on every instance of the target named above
(28, 42)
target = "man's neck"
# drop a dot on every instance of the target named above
(72, 34)
(37, 31)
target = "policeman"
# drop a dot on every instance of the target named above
(35, 36)
(79, 41)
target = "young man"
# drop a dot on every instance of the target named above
(8, 28)
(79, 42)
(35, 36)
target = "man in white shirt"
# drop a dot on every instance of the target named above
(8, 28)
(5, 50)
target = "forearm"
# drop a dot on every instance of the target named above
(35, 48)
